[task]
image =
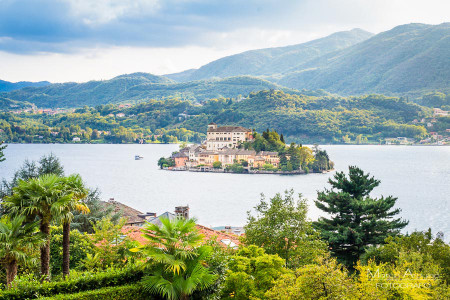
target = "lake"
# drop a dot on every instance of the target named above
(418, 176)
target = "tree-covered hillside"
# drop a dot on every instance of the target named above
(412, 58)
(6, 86)
(273, 60)
(138, 87)
(301, 118)
(317, 119)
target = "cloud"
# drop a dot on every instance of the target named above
(66, 26)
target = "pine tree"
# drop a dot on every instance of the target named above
(2, 156)
(356, 221)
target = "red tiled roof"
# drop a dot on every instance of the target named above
(135, 234)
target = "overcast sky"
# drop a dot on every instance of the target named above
(81, 40)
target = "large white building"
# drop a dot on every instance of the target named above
(226, 136)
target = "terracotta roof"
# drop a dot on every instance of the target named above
(229, 129)
(225, 239)
(127, 212)
(180, 154)
(267, 153)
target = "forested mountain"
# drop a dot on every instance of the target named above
(301, 118)
(272, 61)
(139, 87)
(6, 86)
(408, 58)
(8, 104)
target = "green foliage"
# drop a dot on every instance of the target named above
(166, 162)
(111, 246)
(17, 241)
(356, 220)
(435, 99)
(267, 141)
(179, 270)
(217, 165)
(251, 273)
(281, 227)
(322, 280)
(2, 155)
(321, 162)
(124, 292)
(77, 282)
(235, 168)
(300, 117)
(422, 244)
(81, 246)
(130, 88)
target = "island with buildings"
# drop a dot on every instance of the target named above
(236, 149)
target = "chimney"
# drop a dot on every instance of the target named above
(182, 211)
(150, 215)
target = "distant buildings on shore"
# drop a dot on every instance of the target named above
(221, 146)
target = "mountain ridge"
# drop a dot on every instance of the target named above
(7, 86)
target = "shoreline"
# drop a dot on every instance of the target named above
(250, 172)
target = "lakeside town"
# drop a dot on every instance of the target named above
(237, 149)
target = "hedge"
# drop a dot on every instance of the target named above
(85, 282)
(124, 292)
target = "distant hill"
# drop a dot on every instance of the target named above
(405, 59)
(139, 87)
(6, 86)
(8, 104)
(272, 61)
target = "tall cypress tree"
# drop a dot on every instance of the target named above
(356, 220)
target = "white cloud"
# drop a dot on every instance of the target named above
(94, 12)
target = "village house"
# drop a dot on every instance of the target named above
(221, 145)
(437, 112)
(136, 220)
(180, 159)
(226, 136)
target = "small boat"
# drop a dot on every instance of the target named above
(138, 157)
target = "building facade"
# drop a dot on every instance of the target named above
(226, 136)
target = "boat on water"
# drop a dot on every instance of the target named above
(138, 157)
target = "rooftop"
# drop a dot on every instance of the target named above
(229, 129)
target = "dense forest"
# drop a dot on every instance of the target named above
(302, 119)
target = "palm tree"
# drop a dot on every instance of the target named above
(176, 248)
(17, 239)
(75, 189)
(39, 197)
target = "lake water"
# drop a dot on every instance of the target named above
(418, 176)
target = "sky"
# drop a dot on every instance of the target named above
(82, 40)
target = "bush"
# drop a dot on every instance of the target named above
(75, 284)
(217, 165)
(235, 168)
(124, 292)
(269, 167)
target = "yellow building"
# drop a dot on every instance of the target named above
(226, 136)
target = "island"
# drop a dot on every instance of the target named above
(236, 149)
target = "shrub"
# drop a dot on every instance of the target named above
(75, 283)
(124, 292)
(217, 165)
(269, 167)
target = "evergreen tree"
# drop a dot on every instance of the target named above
(2, 156)
(356, 220)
